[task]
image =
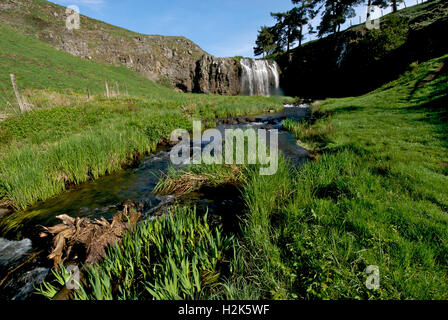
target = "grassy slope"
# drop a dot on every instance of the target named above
(37, 18)
(38, 66)
(377, 195)
(68, 138)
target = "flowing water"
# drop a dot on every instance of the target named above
(103, 197)
(260, 77)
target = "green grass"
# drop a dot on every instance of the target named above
(377, 195)
(67, 138)
(39, 66)
(175, 258)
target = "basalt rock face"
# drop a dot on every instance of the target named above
(155, 57)
(359, 60)
(217, 76)
(176, 61)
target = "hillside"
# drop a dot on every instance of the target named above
(169, 60)
(38, 66)
(375, 196)
(47, 77)
(70, 137)
(359, 60)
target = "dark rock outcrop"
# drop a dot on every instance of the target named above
(217, 76)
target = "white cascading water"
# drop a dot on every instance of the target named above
(260, 77)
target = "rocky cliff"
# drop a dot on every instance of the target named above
(358, 60)
(174, 61)
(217, 75)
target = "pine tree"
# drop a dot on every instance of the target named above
(304, 11)
(265, 42)
(335, 13)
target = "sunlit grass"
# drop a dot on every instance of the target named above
(377, 195)
(172, 258)
(68, 137)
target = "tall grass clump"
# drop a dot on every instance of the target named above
(376, 196)
(171, 258)
(73, 132)
(196, 177)
(257, 269)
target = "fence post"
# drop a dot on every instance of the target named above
(107, 91)
(16, 92)
(117, 88)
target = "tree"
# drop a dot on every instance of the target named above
(286, 29)
(377, 3)
(394, 4)
(265, 44)
(335, 13)
(387, 3)
(305, 11)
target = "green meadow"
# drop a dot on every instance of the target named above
(375, 195)
(69, 138)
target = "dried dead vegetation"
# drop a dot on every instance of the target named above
(184, 182)
(81, 237)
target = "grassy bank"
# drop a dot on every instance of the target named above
(69, 138)
(179, 257)
(45, 150)
(377, 195)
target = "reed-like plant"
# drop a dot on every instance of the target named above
(174, 257)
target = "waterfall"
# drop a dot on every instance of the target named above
(259, 77)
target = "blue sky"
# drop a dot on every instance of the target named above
(221, 27)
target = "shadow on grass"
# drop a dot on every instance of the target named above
(427, 78)
(435, 110)
(435, 113)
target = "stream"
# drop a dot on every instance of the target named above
(104, 196)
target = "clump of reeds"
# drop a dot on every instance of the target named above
(185, 181)
(177, 257)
